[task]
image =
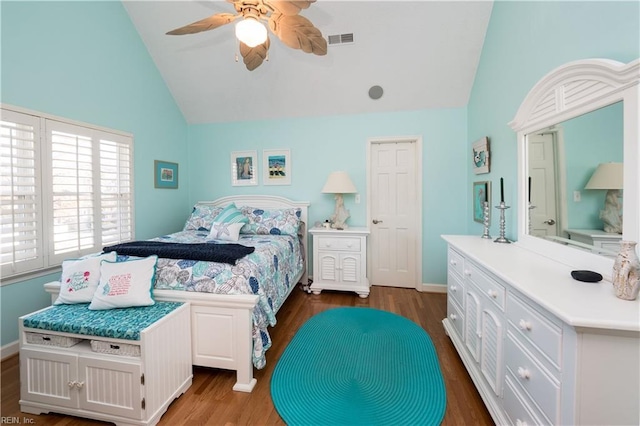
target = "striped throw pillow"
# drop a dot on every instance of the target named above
(231, 214)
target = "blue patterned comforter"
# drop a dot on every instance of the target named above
(269, 272)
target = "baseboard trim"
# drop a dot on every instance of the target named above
(9, 349)
(433, 288)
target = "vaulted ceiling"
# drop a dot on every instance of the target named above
(423, 54)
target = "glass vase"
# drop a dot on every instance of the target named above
(626, 271)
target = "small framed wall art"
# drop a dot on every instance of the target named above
(165, 174)
(244, 168)
(276, 167)
(481, 156)
(481, 193)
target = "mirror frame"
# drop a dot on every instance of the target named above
(569, 91)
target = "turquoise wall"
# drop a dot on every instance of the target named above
(324, 144)
(525, 41)
(589, 140)
(85, 61)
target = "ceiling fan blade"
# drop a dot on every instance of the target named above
(210, 23)
(254, 56)
(288, 7)
(298, 32)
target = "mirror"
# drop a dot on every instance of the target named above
(560, 163)
(590, 109)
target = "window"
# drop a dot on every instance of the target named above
(66, 190)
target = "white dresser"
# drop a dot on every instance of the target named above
(340, 260)
(541, 347)
(598, 239)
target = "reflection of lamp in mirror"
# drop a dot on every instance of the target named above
(609, 176)
(339, 183)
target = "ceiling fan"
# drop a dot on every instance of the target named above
(284, 21)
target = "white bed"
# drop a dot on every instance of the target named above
(221, 324)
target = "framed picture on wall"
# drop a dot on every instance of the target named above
(244, 168)
(276, 166)
(480, 151)
(481, 193)
(165, 174)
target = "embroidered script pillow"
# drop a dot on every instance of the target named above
(125, 284)
(80, 278)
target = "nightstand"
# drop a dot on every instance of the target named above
(340, 260)
(598, 239)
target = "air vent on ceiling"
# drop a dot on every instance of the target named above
(340, 39)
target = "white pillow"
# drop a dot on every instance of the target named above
(226, 231)
(125, 284)
(80, 278)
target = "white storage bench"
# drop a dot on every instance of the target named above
(120, 365)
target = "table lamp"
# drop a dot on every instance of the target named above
(609, 176)
(339, 183)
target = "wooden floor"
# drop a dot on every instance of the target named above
(210, 400)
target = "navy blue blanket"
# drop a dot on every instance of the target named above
(223, 253)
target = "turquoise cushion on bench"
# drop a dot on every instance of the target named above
(124, 323)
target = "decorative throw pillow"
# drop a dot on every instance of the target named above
(226, 231)
(201, 217)
(80, 278)
(274, 222)
(231, 214)
(125, 284)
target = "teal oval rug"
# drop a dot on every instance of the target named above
(348, 366)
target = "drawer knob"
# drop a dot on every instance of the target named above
(467, 272)
(453, 317)
(524, 373)
(454, 288)
(72, 383)
(521, 422)
(349, 244)
(79, 385)
(525, 325)
(327, 244)
(493, 293)
(453, 262)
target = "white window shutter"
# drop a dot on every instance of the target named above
(72, 198)
(20, 194)
(116, 188)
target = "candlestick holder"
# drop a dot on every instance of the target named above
(485, 215)
(502, 239)
(531, 207)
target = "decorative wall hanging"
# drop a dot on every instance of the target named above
(481, 193)
(276, 164)
(165, 174)
(244, 168)
(481, 156)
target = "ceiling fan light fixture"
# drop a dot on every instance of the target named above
(251, 32)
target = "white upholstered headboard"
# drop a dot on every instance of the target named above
(270, 202)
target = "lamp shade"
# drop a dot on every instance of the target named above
(339, 183)
(606, 176)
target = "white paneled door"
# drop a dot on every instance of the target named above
(544, 217)
(394, 212)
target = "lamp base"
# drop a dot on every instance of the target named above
(612, 214)
(340, 214)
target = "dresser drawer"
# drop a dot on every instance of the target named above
(346, 243)
(456, 262)
(544, 390)
(455, 288)
(488, 286)
(456, 318)
(544, 335)
(518, 407)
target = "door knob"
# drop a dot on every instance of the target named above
(376, 221)
(550, 222)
